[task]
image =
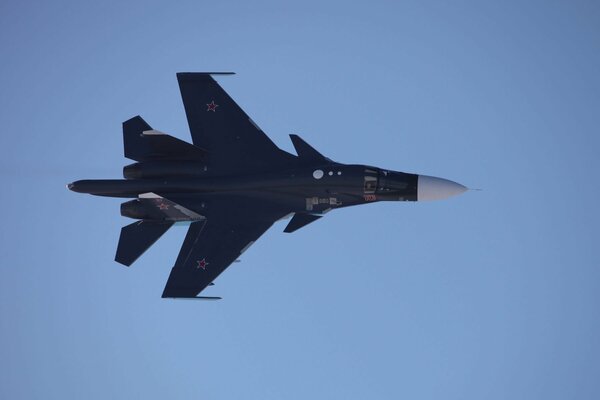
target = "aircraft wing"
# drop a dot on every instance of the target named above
(231, 226)
(218, 125)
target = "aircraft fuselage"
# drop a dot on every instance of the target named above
(314, 189)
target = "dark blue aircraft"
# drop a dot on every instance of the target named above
(231, 185)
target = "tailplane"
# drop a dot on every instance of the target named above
(136, 238)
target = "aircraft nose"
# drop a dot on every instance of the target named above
(70, 186)
(432, 188)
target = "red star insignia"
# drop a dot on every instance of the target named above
(212, 106)
(201, 264)
(163, 206)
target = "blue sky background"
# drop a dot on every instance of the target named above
(492, 294)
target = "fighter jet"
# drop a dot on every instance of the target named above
(231, 185)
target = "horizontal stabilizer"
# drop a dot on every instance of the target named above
(136, 238)
(305, 151)
(300, 220)
(142, 143)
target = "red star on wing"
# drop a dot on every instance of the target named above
(163, 206)
(201, 264)
(212, 106)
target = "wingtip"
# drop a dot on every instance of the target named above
(200, 75)
(209, 298)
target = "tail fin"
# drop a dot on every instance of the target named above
(136, 238)
(142, 143)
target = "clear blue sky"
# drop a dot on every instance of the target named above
(490, 295)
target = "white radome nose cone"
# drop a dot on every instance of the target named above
(432, 188)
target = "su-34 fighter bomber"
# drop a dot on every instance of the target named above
(231, 185)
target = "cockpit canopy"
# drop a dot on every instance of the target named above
(381, 182)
